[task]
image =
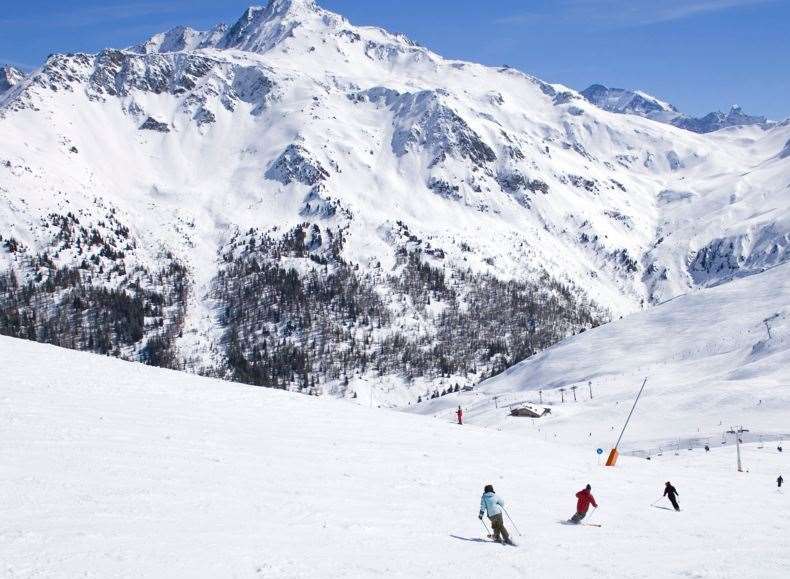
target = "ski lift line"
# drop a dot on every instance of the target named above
(701, 441)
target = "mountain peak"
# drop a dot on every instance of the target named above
(180, 38)
(260, 29)
(719, 120)
(282, 7)
(620, 100)
(9, 77)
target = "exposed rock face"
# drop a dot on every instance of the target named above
(423, 122)
(295, 163)
(181, 38)
(625, 101)
(151, 124)
(9, 77)
(718, 120)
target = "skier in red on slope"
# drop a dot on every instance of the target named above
(460, 414)
(585, 499)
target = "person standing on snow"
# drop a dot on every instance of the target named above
(460, 414)
(779, 481)
(585, 499)
(671, 493)
(491, 505)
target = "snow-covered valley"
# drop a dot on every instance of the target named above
(113, 469)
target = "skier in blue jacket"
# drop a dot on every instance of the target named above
(491, 505)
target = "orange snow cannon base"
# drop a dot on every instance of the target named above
(612, 460)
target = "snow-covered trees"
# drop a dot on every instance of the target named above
(322, 319)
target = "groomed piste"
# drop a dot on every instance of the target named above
(115, 469)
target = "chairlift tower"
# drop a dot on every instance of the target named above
(737, 432)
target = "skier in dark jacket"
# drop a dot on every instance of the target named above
(491, 505)
(585, 499)
(671, 493)
(779, 481)
(460, 414)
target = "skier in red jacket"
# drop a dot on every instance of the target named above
(460, 414)
(585, 499)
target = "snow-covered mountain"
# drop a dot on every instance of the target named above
(297, 201)
(9, 77)
(618, 100)
(180, 38)
(719, 120)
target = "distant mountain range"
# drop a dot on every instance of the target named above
(618, 100)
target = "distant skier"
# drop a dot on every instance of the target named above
(491, 505)
(707, 448)
(671, 493)
(779, 481)
(585, 499)
(460, 414)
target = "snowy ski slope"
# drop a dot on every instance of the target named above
(713, 358)
(113, 469)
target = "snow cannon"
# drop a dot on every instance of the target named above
(612, 460)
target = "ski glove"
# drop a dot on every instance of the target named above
(480, 516)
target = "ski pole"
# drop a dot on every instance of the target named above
(595, 509)
(511, 520)
(488, 533)
(653, 504)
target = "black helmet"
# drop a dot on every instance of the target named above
(588, 487)
(489, 489)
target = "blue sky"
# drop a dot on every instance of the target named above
(700, 55)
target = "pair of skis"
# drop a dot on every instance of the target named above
(490, 535)
(584, 524)
(581, 524)
(510, 543)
